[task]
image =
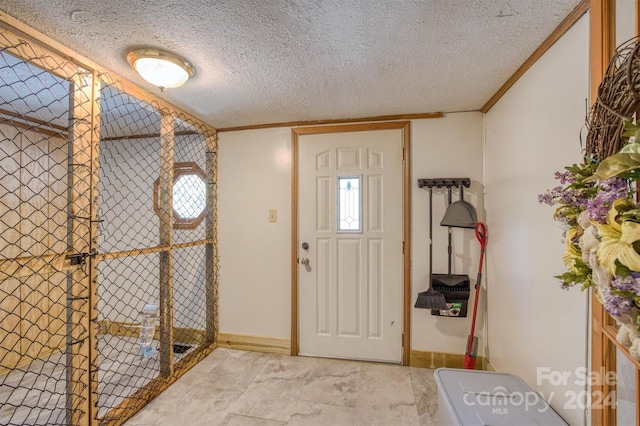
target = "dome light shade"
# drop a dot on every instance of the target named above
(162, 69)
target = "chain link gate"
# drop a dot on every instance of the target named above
(155, 247)
(107, 203)
(45, 225)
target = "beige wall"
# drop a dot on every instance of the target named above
(255, 254)
(530, 133)
(255, 176)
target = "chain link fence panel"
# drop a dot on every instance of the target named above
(107, 213)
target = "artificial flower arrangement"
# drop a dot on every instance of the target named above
(597, 208)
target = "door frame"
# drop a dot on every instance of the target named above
(404, 126)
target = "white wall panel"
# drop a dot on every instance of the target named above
(255, 254)
(447, 147)
(532, 132)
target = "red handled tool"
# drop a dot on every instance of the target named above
(472, 341)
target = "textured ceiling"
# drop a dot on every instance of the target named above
(265, 61)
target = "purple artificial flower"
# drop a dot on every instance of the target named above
(545, 199)
(598, 209)
(565, 177)
(610, 190)
(551, 196)
(614, 184)
(616, 305)
(629, 283)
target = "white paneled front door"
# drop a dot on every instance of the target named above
(350, 230)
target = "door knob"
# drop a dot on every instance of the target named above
(304, 261)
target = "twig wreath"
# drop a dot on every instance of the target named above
(617, 101)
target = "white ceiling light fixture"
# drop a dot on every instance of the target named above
(160, 68)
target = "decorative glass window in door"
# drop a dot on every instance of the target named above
(349, 204)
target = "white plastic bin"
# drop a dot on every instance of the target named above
(472, 397)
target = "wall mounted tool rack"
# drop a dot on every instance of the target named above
(456, 295)
(444, 183)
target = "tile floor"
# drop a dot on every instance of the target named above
(36, 394)
(232, 387)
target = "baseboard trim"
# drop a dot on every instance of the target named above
(423, 359)
(486, 365)
(420, 359)
(254, 343)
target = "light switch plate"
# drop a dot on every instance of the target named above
(273, 215)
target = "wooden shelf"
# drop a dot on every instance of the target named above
(611, 332)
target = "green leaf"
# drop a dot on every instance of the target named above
(631, 174)
(631, 148)
(622, 270)
(584, 169)
(626, 294)
(582, 278)
(617, 165)
(631, 214)
(631, 129)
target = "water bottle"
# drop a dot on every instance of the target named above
(148, 318)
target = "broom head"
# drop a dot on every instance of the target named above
(431, 299)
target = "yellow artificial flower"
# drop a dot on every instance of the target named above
(616, 242)
(571, 253)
